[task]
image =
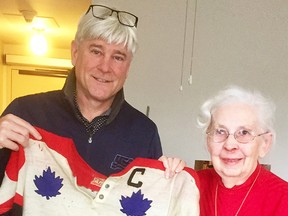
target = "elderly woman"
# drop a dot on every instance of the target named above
(239, 129)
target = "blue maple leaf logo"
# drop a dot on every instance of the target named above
(135, 205)
(48, 185)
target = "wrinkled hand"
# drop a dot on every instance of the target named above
(15, 131)
(172, 165)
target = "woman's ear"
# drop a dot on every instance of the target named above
(208, 144)
(265, 144)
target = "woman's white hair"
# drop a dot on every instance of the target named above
(264, 107)
(109, 29)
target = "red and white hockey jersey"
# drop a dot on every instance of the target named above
(49, 178)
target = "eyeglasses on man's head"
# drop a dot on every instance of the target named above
(102, 12)
(219, 135)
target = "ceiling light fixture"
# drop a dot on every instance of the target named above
(38, 43)
(28, 15)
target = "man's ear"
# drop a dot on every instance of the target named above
(266, 144)
(74, 50)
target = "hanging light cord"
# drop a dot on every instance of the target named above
(184, 45)
(193, 40)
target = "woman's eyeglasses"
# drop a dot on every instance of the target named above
(242, 135)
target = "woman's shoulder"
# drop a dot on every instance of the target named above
(272, 180)
(206, 174)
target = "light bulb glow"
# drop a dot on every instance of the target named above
(38, 44)
(38, 24)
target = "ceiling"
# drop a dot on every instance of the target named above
(61, 16)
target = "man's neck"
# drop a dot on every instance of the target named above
(90, 109)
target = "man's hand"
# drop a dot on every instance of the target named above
(172, 165)
(15, 131)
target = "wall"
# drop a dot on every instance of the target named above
(1, 78)
(9, 74)
(236, 42)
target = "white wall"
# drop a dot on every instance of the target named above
(236, 42)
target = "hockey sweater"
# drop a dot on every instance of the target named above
(50, 178)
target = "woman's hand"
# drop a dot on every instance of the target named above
(172, 165)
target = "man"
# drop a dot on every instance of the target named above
(108, 132)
